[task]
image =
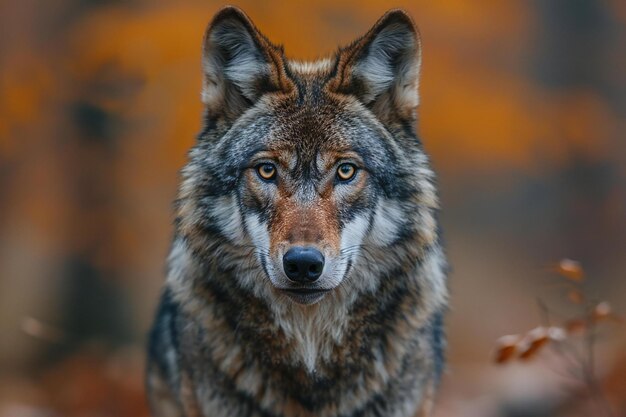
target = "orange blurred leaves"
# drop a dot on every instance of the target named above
(570, 269)
(506, 348)
(527, 346)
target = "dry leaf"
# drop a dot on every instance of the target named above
(533, 342)
(506, 348)
(570, 269)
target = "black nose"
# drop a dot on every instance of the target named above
(303, 264)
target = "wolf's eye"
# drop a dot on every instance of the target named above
(266, 171)
(345, 172)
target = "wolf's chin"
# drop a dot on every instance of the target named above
(306, 297)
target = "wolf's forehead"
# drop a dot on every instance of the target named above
(298, 147)
(314, 135)
(308, 129)
(313, 129)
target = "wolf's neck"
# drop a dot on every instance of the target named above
(313, 332)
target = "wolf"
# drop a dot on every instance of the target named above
(306, 275)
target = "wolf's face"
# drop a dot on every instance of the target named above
(307, 193)
(306, 172)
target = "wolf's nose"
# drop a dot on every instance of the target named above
(303, 264)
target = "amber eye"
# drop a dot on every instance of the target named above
(345, 172)
(266, 171)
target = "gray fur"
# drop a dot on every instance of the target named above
(228, 339)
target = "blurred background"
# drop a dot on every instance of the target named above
(523, 109)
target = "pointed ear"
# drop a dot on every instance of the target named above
(382, 68)
(239, 64)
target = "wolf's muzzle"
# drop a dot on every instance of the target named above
(303, 264)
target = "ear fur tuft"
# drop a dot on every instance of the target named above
(239, 63)
(383, 65)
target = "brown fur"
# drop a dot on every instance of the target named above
(229, 339)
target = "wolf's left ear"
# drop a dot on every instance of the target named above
(382, 68)
(240, 64)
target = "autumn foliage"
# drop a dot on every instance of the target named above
(522, 107)
(573, 339)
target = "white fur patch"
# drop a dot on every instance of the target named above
(228, 218)
(315, 329)
(388, 219)
(311, 67)
(353, 232)
(435, 277)
(258, 232)
(178, 262)
(260, 237)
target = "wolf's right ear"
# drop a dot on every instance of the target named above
(382, 67)
(239, 64)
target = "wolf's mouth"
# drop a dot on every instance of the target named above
(305, 295)
(306, 290)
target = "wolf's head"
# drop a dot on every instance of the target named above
(308, 176)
